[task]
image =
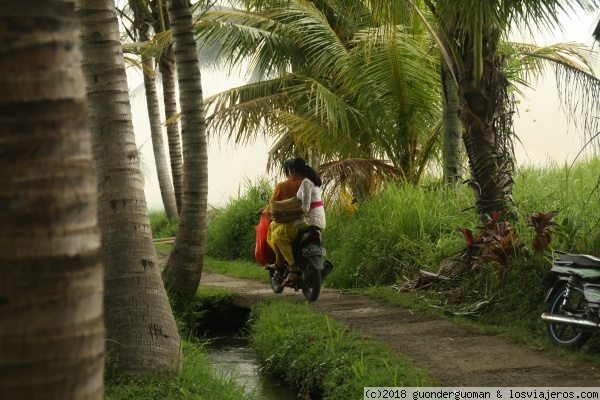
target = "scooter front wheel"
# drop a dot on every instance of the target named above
(567, 336)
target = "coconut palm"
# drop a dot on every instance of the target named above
(183, 270)
(51, 325)
(139, 24)
(470, 34)
(166, 66)
(142, 333)
(340, 85)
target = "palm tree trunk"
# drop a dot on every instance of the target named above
(142, 334)
(158, 145)
(452, 130)
(184, 267)
(166, 66)
(51, 318)
(489, 161)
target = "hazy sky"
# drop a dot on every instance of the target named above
(540, 125)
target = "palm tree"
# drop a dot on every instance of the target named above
(452, 151)
(51, 330)
(140, 326)
(337, 84)
(184, 268)
(161, 48)
(469, 39)
(139, 32)
(166, 66)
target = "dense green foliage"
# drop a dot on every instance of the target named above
(328, 359)
(230, 233)
(395, 234)
(162, 226)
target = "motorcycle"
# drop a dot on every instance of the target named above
(312, 270)
(573, 314)
(308, 254)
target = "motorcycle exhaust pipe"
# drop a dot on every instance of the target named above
(572, 321)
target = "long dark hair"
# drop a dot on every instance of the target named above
(300, 166)
(286, 166)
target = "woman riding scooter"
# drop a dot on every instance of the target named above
(283, 191)
(311, 212)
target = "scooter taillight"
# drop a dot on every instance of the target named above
(315, 235)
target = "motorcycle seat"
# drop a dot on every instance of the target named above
(303, 231)
(579, 260)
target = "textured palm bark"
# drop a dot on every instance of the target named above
(490, 164)
(482, 91)
(158, 145)
(452, 130)
(183, 270)
(141, 331)
(166, 66)
(51, 318)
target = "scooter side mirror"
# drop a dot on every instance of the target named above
(263, 196)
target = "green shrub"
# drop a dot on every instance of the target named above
(231, 233)
(161, 226)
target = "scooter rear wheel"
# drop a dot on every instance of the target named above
(275, 283)
(312, 283)
(564, 335)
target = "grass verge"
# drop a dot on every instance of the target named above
(322, 357)
(238, 269)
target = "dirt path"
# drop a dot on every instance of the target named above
(454, 355)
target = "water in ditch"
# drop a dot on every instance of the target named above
(232, 354)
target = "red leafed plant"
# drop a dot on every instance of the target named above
(497, 242)
(544, 226)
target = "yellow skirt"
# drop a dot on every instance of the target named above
(281, 235)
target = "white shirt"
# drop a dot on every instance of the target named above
(307, 194)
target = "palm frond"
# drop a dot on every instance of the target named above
(356, 177)
(242, 113)
(525, 63)
(578, 94)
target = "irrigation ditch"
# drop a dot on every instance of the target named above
(223, 326)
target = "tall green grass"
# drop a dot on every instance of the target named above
(231, 234)
(162, 226)
(324, 358)
(573, 192)
(395, 234)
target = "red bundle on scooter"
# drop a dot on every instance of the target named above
(263, 253)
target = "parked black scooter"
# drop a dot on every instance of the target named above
(574, 299)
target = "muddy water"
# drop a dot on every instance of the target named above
(232, 354)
